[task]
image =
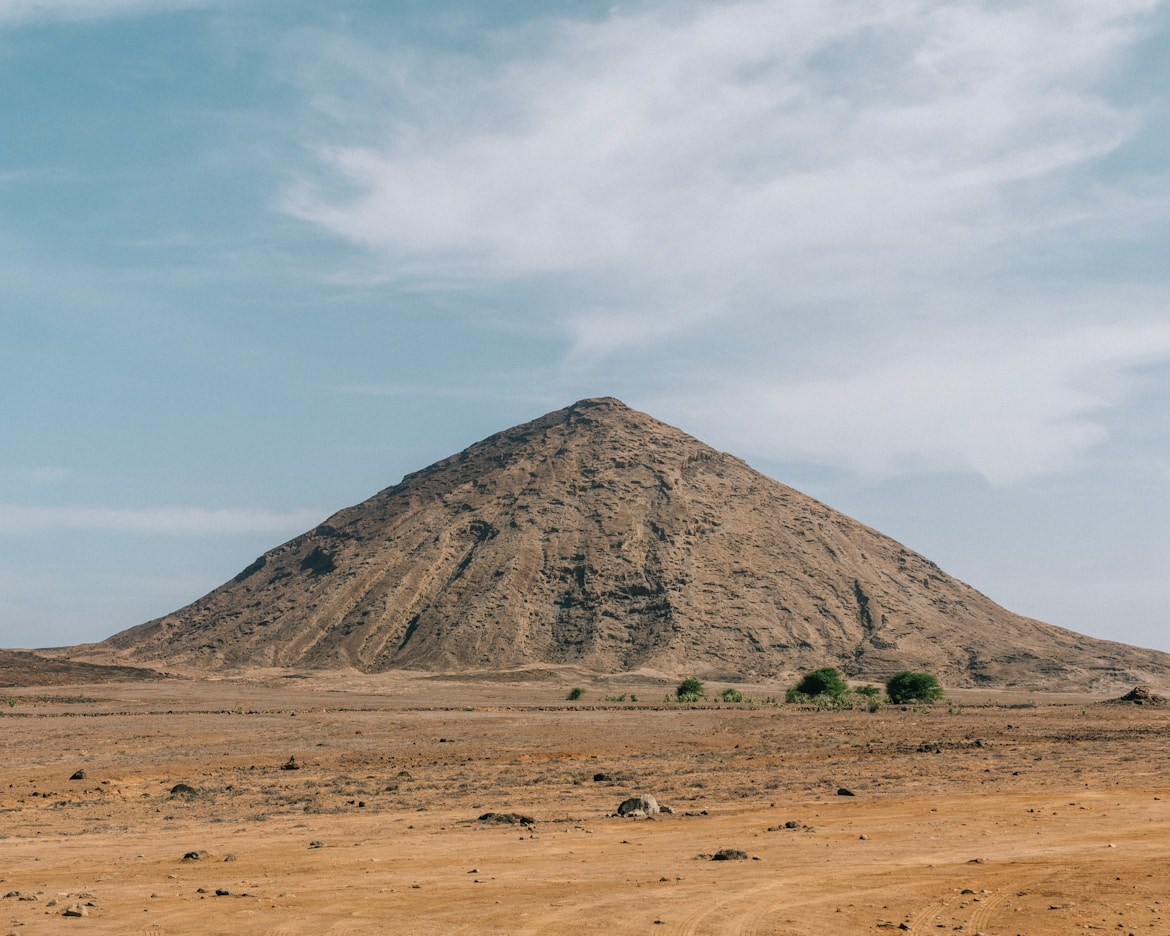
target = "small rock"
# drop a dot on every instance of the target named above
(183, 791)
(316, 844)
(841, 791)
(196, 856)
(75, 910)
(222, 892)
(730, 854)
(645, 804)
(229, 857)
(78, 775)
(290, 764)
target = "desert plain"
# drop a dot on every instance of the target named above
(281, 803)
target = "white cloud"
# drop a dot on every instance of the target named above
(736, 141)
(172, 521)
(1008, 404)
(802, 188)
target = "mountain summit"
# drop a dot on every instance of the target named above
(600, 537)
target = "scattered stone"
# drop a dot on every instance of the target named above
(75, 910)
(639, 807)
(841, 791)
(510, 818)
(183, 791)
(730, 854)
(791, 825)
(196, 856)
(78, 775)
(290, 764)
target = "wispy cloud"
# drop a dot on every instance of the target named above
(170, 521)
(754, 140)
(48, 475)
(1007, 405)
(889, 205)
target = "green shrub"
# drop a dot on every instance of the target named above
(826, 681)
(689, 690)
(732, 695)
(576, 693)
(913, 687)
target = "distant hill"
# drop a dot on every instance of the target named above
(21, 668)
(599, 537)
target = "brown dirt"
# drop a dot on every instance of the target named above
(994, 814)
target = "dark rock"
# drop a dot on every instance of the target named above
(730, 854)
(290, 764)
(841, 791)
(183, 791)
(196, 856)
(510, 818)
(78, 775)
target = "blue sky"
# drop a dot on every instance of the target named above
(259, 259)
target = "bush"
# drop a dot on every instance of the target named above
(872, 696)
(826, 681)
(576, 693)
(689, 690)
(732, 695)
(913, 687)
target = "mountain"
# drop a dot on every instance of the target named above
(599, 537)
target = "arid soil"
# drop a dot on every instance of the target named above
(349, 804)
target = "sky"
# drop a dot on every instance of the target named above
(260, 258)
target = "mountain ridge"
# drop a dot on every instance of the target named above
(598, 537)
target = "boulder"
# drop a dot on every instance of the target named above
(638, 806)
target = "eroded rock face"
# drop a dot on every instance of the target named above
(599, 537)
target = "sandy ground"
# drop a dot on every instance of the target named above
(992, 814)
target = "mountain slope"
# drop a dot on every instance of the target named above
(600, 537)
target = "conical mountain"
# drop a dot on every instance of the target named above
(600, 537)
